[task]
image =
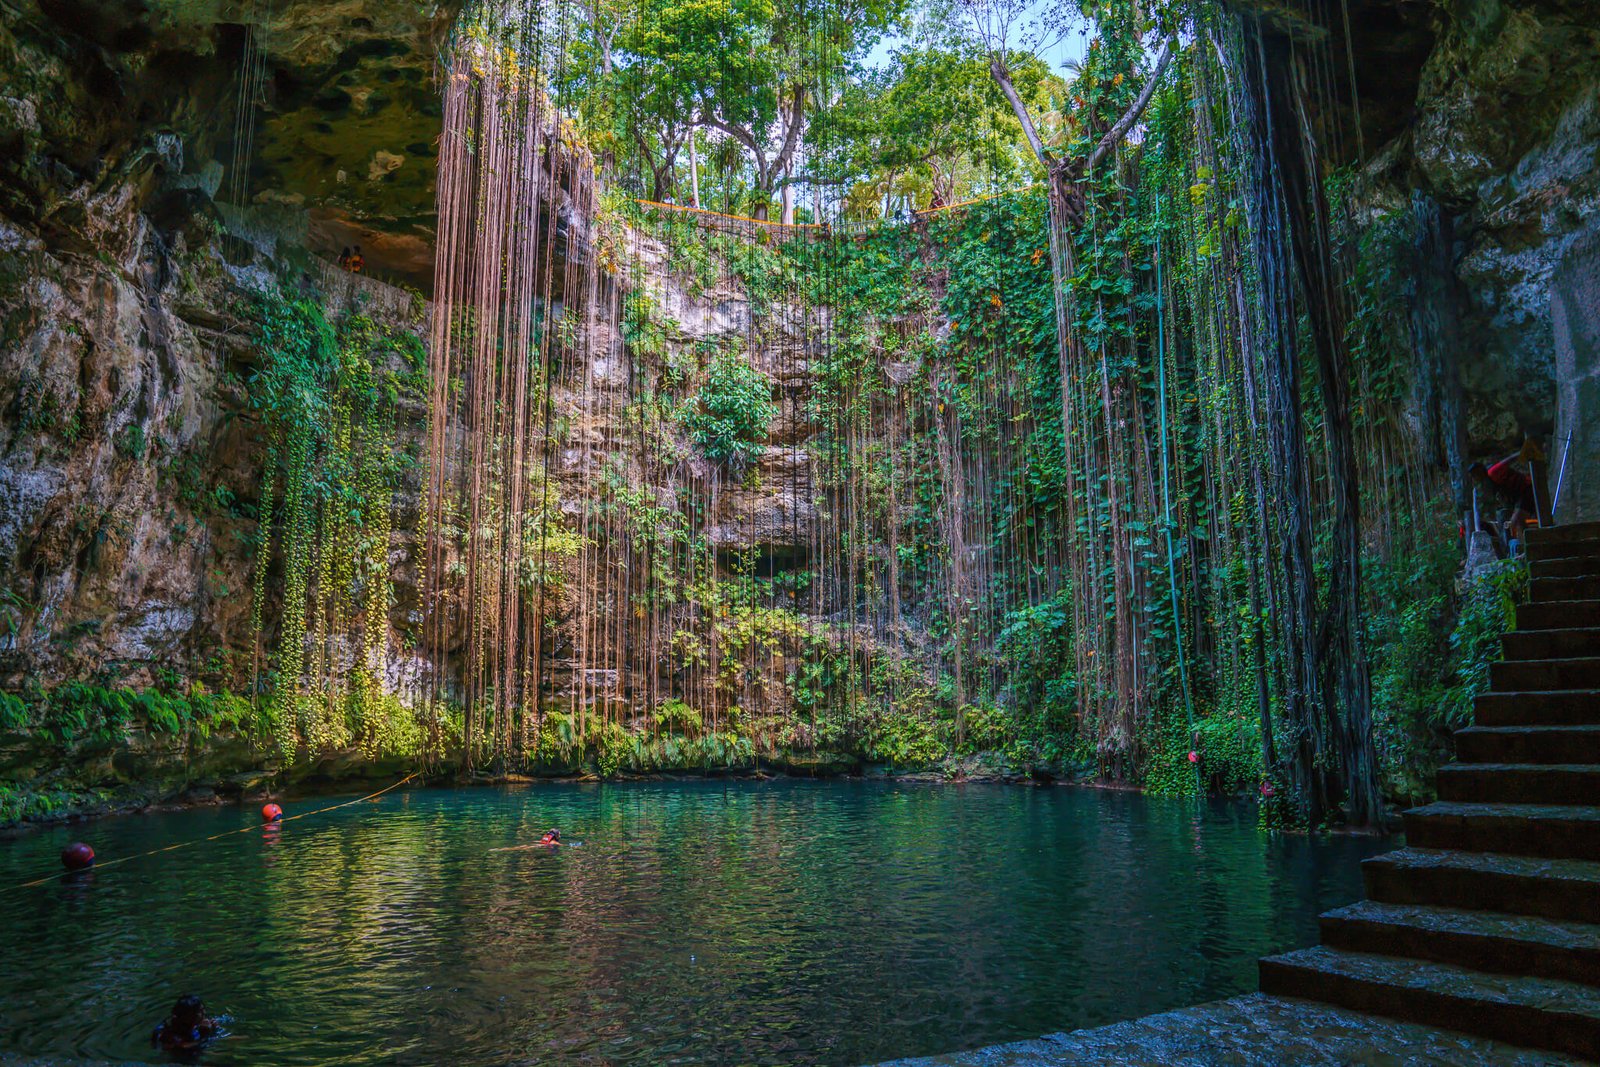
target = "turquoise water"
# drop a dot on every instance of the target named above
(718, 923)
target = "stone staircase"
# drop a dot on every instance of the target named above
(1488, 922)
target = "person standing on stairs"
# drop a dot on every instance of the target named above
(1515, 490)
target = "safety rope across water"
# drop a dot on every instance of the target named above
(226, 833)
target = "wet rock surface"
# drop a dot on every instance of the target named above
(1251, 1031)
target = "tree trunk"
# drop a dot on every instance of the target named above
(1346, 685)
(694, 169)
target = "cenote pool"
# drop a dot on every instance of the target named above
(722, 923)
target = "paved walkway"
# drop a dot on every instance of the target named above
(1252, 1031)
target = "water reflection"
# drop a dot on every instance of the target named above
(781, 922)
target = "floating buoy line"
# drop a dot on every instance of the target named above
(277, 820)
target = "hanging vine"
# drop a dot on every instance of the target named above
(326, 396)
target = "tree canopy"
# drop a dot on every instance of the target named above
(870, 105)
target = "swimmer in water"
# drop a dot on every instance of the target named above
(550, 839)
(187, 1029)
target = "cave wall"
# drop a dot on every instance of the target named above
(1575, 307)
(1502, 137)
(340, 134)
(127, 445)
(129, 456)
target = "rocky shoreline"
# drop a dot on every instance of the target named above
(228, 770)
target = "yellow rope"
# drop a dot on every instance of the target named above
(828, 226)
(976, 200)
(226, 833)
(735, 218)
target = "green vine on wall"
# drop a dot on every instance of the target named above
(326, 395)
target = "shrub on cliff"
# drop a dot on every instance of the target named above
(730, 415)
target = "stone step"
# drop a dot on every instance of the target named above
(1552, 557)
(1539, 557)
(1528, 744)
(1551, 644)
(1543, 590)
(1479, 940)
(1521, 783)
(1558, 615)
(1564, 534)
(1525, 885)
(1565, 566)
(1554, 830)
(1534, 1012)
(1544, 675)
(1574, 707)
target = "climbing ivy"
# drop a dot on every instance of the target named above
(326, 395)
(82, 713)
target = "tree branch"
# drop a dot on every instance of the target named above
(1116, 133)
(791, 139)
(1002, 76)
(709, 118)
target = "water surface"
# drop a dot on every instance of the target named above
(720, 923)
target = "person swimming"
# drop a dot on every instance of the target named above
(551, 838)
(187, 1029)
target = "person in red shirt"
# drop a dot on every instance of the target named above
(1513, 487)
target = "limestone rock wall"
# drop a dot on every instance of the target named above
(130, 459)
(1506, 138)
(1575, 316)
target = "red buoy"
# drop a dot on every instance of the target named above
(271, 813)
(77, 857)
(1194, 757)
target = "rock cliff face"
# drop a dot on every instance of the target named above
(128, 447)
(129, 456)
(1502, 137)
